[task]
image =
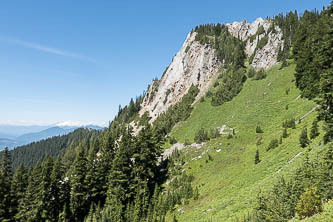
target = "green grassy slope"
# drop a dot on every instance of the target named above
(229, 183)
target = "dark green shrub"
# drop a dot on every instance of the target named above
(187, 142)
(144, 120)
(261, 30)
(303, 138)
(214, 133)
(262, 42)
(201, 136)
(256, 158)
(251, 58)
(283, 64)
(259, 130)
(314, 129)
(273, 144)
(261, 74)
(290, 123)
(176, 113)
(209, 94)
(227, 47)
(172, 140)
(287, 91)
(309, 203)
(253, 37)
(232, 83)
(187, 48)
(251, 72)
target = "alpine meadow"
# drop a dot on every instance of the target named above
(238, 127)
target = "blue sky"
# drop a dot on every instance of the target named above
(78, 60)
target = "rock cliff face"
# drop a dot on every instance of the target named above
(252, 33)
(193, 64)
(197, 64)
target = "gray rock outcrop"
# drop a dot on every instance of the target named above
(197, 64)
(193, 64)
(266, 56)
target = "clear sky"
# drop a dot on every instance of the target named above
(78, 60)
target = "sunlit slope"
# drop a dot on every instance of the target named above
(229, 183)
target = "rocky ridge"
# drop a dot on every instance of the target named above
(252, 33)
(194, 64)
(197, 64)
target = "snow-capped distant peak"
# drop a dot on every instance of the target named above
(70, 123)
(79, 124)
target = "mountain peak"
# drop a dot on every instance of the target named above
(71, 123)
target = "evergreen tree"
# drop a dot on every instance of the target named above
(146, 154)
(114, 208)
(96, 175)
(60, 189)
(314, 130)
(140, 205)
(312, 50)
(78, 195)
(258, 129)
(121, 175)
(326, 76)
(5, 185)
(45, 190)
(201, 136)
(303, 139)
(66, 214)
(257, 159)
(272, 144)
(327, 175)
(106, 154)
(18, 187)
(29, 206)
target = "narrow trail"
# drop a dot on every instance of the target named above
(306, 114)
(290, 161)
(297, 121)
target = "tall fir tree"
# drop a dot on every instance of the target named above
(303, 139)
(46, 194)
(314, 130)
(146, 154)
(326, 77)
(60, 189)
(18, 187)
(121, 174)
(29, 206)
(79, 205)
(96, 175)
(5, 185)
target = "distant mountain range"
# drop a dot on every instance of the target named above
(14, 137)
